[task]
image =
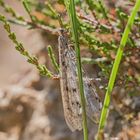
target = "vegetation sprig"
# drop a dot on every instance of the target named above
(19, 47)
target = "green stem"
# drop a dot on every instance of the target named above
(79, 67)
(93, 61)
(27, 8)
(52, 57)
(103, 9)
(115, 68)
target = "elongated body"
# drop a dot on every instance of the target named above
(70, 88)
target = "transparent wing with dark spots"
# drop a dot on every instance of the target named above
(73, 90)
(69, 96)
(93, 103)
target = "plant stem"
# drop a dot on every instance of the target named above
(79, 67)
(19, 47)
(115, 68)
(52, 57)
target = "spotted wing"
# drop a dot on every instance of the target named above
(93, 101)
(69, 89)
(73, 90)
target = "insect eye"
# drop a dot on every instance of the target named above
(61, 30)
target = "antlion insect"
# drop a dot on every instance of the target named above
(70, 88)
